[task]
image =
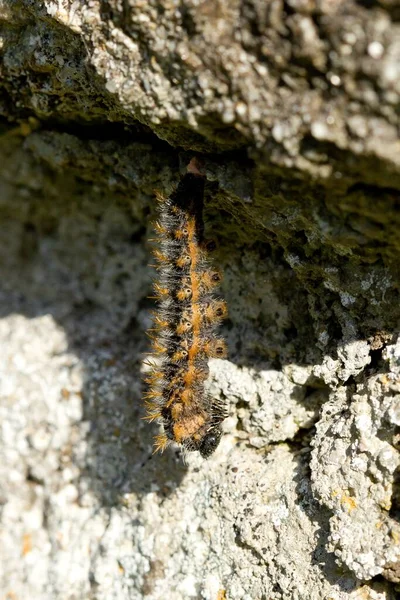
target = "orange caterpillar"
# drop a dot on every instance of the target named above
(183, 336)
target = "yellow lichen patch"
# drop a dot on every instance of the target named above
(395, 536)
(386, 502)
(26, 544)
(349, 502)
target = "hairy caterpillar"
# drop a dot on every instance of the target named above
(183, 337)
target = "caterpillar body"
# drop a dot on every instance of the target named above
(183, 335)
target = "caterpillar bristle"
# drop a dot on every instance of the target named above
(152, 395)
(182, 335)
(210, 279)
(153, 379)
(151, 417)
(159, 229)
(158, 255)
(160, 443)
(159, 196)
(215, 311)
(215, 348)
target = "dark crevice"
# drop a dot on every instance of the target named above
(334, 330)
(350, 383)
(33, 479)
(120, 18)
(394, 511)
(106, 11)
(104, 131)
(377, 361)
(291, 333)
(373, 190)
(393, 9)
(188, 23)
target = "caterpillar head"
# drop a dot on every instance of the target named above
(210, 442)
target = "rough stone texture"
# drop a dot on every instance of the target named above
(293, 108)
(352, 472)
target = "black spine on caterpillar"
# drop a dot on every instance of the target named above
(184, 325)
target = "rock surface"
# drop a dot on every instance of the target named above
(293, 108)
